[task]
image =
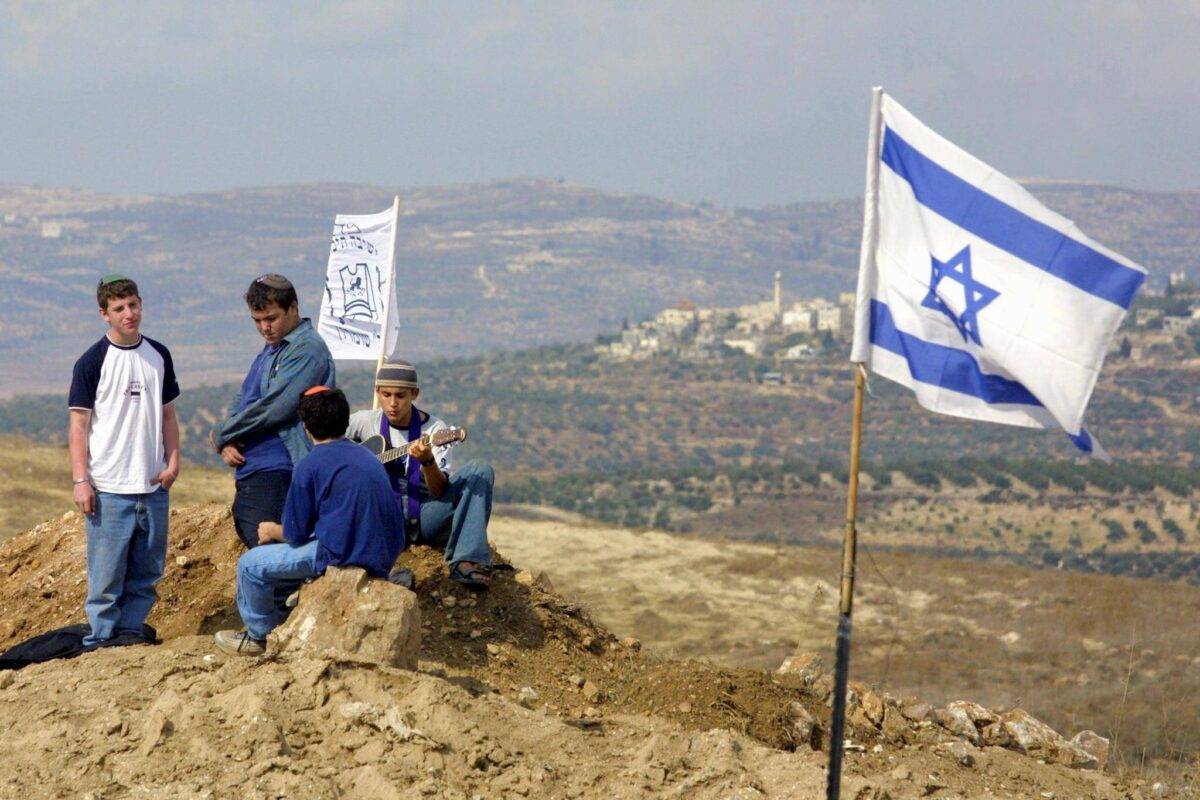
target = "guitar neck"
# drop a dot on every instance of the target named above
(388, 456)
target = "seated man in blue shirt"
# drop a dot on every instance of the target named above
(339, 512)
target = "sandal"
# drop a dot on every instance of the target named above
(478, 577)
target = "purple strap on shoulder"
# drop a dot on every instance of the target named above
(412, 474)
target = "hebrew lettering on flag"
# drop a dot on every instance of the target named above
(359, 287)
(973, 294)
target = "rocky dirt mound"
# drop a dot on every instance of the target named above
(44, 581)
(519, 693)
(520, 634)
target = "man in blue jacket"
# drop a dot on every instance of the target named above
(262, 439)
(340, 512)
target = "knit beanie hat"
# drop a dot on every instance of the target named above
(396, 374)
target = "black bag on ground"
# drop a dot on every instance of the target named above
(65, 643)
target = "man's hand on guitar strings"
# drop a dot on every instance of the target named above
(421, 451)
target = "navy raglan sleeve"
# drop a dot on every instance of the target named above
(85, 379)
(170, 386)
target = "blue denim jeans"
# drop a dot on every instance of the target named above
(260, 571)
(458, 520)
(259, 498)
(126, 556)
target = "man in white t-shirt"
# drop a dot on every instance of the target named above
(442, 506)
(124, 442)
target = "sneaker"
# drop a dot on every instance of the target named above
(402, 576)
(240, 643)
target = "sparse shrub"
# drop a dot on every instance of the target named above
(1116, 531)
(1172, 529)
(922, 474)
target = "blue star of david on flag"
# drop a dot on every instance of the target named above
(977, 295)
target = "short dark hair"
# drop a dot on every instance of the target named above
(326, 414)
(114, 289)
(271, 288)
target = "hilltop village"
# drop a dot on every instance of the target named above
(768, 329)
(1165, 323)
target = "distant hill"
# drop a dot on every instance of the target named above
(508, 264)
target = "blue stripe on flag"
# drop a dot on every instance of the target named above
(998, 223)
(943, 366)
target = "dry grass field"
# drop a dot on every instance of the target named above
(1120, 656)
(35, 484)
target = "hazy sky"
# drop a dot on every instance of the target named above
(737, 103)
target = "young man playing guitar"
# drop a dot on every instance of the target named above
(442, 506)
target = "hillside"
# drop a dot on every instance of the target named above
(1076, 650)
(508, 264)
(707, 448)
(564, 408)
(518, 693)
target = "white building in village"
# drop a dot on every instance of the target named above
(799, 319)
(799, 352)
(814, 315)
(677, 320)
(756, 316)
(829, 317)
(750, 346)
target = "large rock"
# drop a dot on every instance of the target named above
(957, 720)
(803, 724)
(978, 714)
(347, 611)
(915, 710)
(809, 666)
(1095, 745)
(1035, 738)
(896, 728)
(872, 706)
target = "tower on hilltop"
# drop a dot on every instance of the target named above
(778, 294)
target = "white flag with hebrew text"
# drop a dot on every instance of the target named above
(359, 288)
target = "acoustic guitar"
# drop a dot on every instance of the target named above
(445, 437)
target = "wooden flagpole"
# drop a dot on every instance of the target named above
(837, 726)
(392, 299)
(841, 671)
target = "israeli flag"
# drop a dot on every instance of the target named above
(984, 302)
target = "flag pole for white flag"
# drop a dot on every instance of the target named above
(841, 672)
(392, 298)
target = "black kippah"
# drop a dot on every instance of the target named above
(274, 280)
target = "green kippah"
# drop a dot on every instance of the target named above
(112, 277)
